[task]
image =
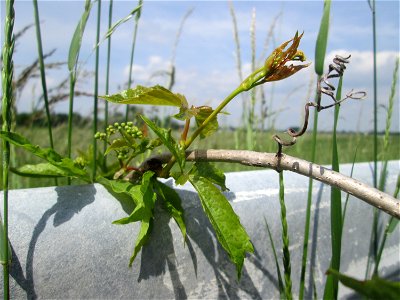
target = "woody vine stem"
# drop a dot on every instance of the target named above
(347, 184)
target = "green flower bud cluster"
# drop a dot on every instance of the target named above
(126, 140)
(100, 136)
(123, 128)
(80, 161)
(123, 153)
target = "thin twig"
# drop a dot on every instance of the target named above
(347, 184)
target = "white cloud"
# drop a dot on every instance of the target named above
(361, 62)
(147, 73)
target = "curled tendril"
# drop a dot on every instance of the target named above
(336, 69)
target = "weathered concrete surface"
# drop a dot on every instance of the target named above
(64, 245)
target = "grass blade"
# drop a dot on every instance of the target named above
(139, 12)
(112, 28)
(322, 39)
(320, 50)
(73, 55)
(7, 103)
(278, 269)
(376, 288)
(331, 289)
(110, 8)
(392, 221)
(374, 240)
(96, 92)
(374, 233)
(383, 175)
(285, 240)
(76, 41)
(42, 72)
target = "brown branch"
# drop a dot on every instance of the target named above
(347, 184)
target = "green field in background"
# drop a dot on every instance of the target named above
(223, 139)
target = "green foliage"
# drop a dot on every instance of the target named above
(40, 170)
(172, 203)
(156, 95)
(144, 198)
(77, 37)
(285, 241)
(166, 138)
(65, 164)
(203, 113)
(376, 288)
(278, 269)
(331, 288)
(230, 233)
(140, 183)
(322, 39)
(114, 27)
(210, 172)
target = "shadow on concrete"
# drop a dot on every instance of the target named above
(63, 210)
(159, 253)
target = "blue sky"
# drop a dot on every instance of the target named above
(205, 57)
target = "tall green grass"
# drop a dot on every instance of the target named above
(320, 50)
(107, 87)
(96, 91)
(7, 102)
(73, 56)
(376, 214)
(43, 75)
(287, 269)
(137, 18)
(375, 248)
(42, 71)
(332, 284)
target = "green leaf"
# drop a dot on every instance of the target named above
(116, 145)
(156, 95)
(392, 224)
(230, 233)
(332, 286)
(67, 165)
(145, 198)
(120, 22)
(180, 178)
(203, 113)
(376, 288)
(210, 172)
(123, 187)
(173, 204)
(278, 269)
(322, 39)
(144, 233)
(40, 170)
(167, 139)
(138, 214)
(186, 113)
(77, 37)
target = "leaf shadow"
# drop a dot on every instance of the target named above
(159, 253)
(63, 210)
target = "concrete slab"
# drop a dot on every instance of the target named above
(64, 245)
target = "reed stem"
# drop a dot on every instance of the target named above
(43, 75)
(96, 91)
(110, 8)
(137, 18)
(7, 101)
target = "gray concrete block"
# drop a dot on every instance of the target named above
(64, 245)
